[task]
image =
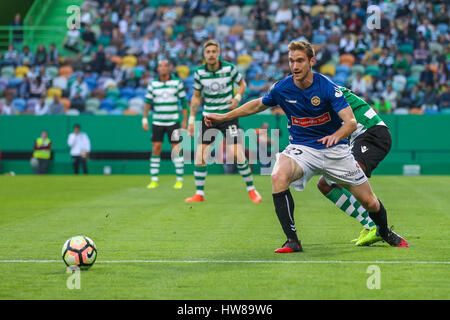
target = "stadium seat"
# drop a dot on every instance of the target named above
(228, 21)
(116, 59)
(436, 48)
(373, 70)
(101, 112)
(445, 111)
(406, 48)
(233, 11)
(237, 29)
(15, 82)
(141, 92)
(347, 59)
(429, 111)
(416, 111)
(7, 72)
(31, 103)
(129, 61)
(343, 69)
(91, 82)
(328, 69)
(333, 8)
(139, 71)
(65, 71)
(136, 104)
(107, 104)
(72, 112)
(358, 68)
(3, 83)
(52, 72)
(222, 32)
(442, 28)
(401, 111)
(121, 103)
(21, 71)
(20, 104)
(104, 40)
(368, 79)
(411, 81)
(92, 104)
(127, 93)
(249, 2)
(417, 69)
(182, 71)
(179, 28)
(113, 93)
(60, 82)
(116, 112)
(198, 21)
(112, 50)
(315, 10)
(52, 91)
(249, 35)
(130, 112)
(340, 79)
(245, 10)
(66, 103)
(244, 60)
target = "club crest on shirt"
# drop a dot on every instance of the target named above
(315, 101)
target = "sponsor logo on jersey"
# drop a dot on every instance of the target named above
(364, 149)
(306, 122)
(338, 93)
(315, 101)
(291, 101)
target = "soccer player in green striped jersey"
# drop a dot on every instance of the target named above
(214, 82)
(163, 95)
(370, 143)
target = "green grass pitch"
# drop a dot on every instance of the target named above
(219, 249)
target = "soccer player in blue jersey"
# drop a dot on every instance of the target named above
(319, 122)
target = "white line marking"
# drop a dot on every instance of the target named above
(241, 261)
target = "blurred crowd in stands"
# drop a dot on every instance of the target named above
(396, 56)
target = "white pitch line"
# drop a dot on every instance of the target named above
(242, 261)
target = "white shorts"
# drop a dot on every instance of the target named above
(336, 164)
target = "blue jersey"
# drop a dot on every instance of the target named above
(312, 113)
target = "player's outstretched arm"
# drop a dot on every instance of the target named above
(348, 126)
(247, 109)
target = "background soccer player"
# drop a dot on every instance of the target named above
(214, 82)
(319, 120)
(163, 95)
(370, 143)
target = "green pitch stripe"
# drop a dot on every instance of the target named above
(244, 261)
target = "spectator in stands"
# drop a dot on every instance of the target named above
(427, 76)
(78, 93)
(89, 36)
(200, 34)
(354, 23)
(26, 57)
(56, 106)
(80, 146)
(263, 22)
(383, 106)
(346, 44)
(390, 95)
(359, 85)
(11, 56)
(429, 100)
(41, 108)
(41, 55)
(257, 86)
(24, 88)
(306, 29)
(53, 55)
(38, 87)
(17, 31)
(284, 14)
(8, 108)
(71, 42)
(444, 98)
(274, 35)
(421, 54)
(320, 20)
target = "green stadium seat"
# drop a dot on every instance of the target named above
(113, 93)
(358, 68)
(7, 72)
(373, 70)
(411, 81)
(406, 48)
(121, 104)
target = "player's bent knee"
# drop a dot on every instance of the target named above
(280, 181)
(324, 187)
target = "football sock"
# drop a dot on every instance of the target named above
(155, 161)
(284, 207)
(178, 162)
(345, 201)
(246, 173)
(200, 173)
(380, 219)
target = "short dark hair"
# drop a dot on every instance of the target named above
(76, 125)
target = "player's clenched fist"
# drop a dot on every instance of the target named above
(213, 118)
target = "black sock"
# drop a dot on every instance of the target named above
(380, 219)
(284, 207)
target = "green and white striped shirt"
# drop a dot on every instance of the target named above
(365, 115)
(163, 97)
(216, 86)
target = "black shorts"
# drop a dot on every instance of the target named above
(173, 133)
(230, 128)
(371, 147)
